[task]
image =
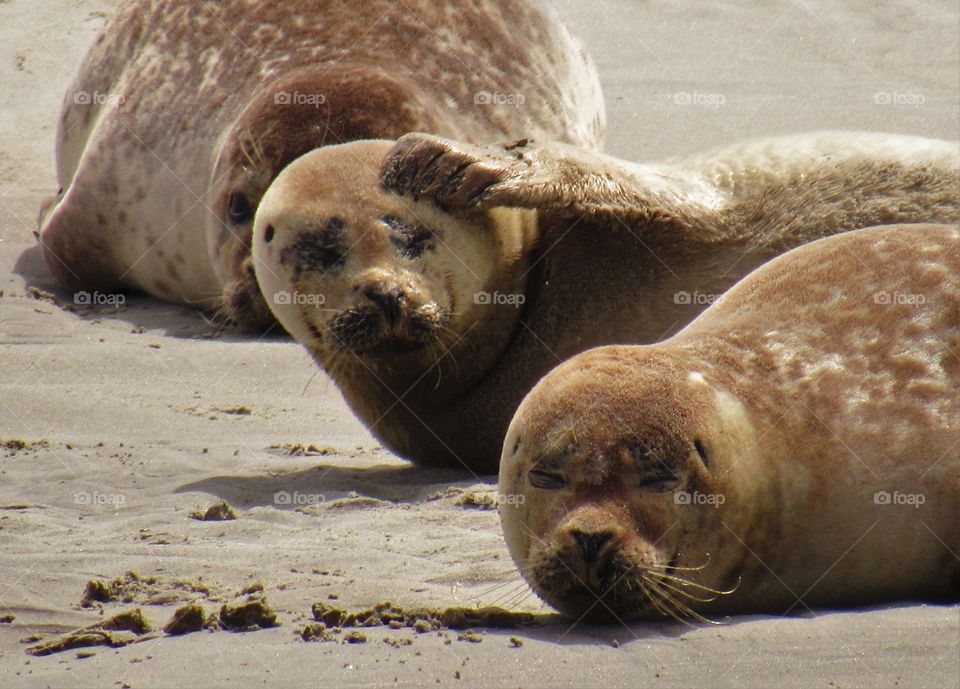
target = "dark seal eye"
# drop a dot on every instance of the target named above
(659, 482)
(239, 209)
(319, 249)
(411, 239)
(546, 480)
(268, 234)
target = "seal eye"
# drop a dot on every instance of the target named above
(546, 480)
(268, 234)
(239, 209)
(659, 483)
(411, 240)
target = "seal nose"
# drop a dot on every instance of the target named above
(389, 301)
(590, 544)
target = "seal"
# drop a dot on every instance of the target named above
(498, 263)
(797, 445)
(183, 113)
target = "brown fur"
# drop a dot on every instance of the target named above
(178, 99)
(615, 245)
(809, 395)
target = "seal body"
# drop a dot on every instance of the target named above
(183, 113)
(797, 445)
(511, 259)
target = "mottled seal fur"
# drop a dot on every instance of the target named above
(498, 263)
(797, 445)
(183, 113)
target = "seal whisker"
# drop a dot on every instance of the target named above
(686, 594)
(680, 606)
(674, 568)
(693, 584)
(662, 602)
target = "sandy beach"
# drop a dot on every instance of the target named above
(118, 424)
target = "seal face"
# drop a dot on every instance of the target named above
(750, 462)
(449, 301)
(183, 114)
(382, 291)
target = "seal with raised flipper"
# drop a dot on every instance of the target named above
(797, 445)
(183, 113)
(496, 263)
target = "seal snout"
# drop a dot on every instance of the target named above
(390, 302)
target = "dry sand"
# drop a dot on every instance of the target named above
(139, 419)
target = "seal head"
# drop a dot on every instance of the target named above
(594, 461)
(294, 114)
(379, 288)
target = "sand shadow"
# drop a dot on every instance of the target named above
(325, 483)
(557, 629)
(138, 310)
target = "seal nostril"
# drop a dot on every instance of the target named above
(591, 544)
(268, 234)
(702, 451)
(389, 301)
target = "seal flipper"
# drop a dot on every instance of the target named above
(77, 254)
(555, 179)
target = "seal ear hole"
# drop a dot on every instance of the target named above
(239, 209)
(702, 451)
(268, 234)
(516, 445)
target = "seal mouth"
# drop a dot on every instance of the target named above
(623, 589)
(606, 594)
(369, 332)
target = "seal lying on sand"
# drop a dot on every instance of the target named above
(183, 113)
(797, 445)
(437, 318)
